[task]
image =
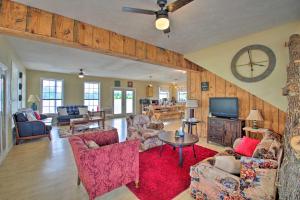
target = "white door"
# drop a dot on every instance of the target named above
(123, 101)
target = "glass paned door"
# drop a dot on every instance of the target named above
(123, 101)
(129, 102)
(118, 98)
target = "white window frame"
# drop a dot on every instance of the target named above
(41, 94)
(178, 96)
(165, 91)
(99, 92)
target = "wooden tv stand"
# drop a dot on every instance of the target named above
(224, 131)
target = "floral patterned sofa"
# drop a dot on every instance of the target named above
(140, 127)
(108, 165)
(257, 178)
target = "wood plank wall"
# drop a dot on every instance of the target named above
(274, 118)
(24, 21)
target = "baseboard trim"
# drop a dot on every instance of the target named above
(3, 156)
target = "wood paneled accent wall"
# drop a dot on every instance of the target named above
(274, 118)
(24, 21)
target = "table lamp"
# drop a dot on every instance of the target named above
(33, 99)
(192, 104)
(254, 116)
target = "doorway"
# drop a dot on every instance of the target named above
(123, 101)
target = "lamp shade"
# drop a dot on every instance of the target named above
(255, 115)
(33, 98)
(192, 103)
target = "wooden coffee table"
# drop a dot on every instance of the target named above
(79, 122)
(187, 140)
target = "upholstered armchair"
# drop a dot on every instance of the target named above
(256, 179)
(108, 166)
(140, 127)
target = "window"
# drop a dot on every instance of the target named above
(52, 95)
(163, 93)
(92, 95)
(182, 96)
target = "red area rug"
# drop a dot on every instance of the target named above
(161, 178)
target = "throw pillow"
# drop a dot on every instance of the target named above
(20, 117)
(91, 144)
(262, 149)
(37, 116)
(228, 164)
(83, 110)
(62, 111)
(247, 146)
(30, 116)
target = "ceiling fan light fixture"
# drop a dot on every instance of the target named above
(162, 22)
(81, 74)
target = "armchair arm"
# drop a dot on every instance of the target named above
(31, 128)
(258, 177)
(133, 133)
(156, 125)
(210, 181)
(110, 166)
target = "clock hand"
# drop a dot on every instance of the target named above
(251, 64)
(259, 64)
(243, 65)
(262, 61)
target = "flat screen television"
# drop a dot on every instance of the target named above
(227, 107)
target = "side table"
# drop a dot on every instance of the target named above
(190, 123)
(255, 133)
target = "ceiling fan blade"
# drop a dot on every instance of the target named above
(137, 10)
(177, 4)
(168, 30)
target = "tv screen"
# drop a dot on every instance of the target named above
(224, 107)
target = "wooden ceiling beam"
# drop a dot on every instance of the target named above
(31, 23)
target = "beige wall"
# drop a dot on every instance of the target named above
(9, 59)
(73, 87)
(217, 59)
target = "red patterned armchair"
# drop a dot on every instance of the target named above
(108, 166)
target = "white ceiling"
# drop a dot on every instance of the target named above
(48, 57)
(197, 25)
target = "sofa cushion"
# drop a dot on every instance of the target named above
(83, 110)
(247, 146)
(20, 117)
(62, 111)
(228, 164)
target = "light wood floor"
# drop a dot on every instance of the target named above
(43, 170)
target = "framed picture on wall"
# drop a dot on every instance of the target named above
(129, 84)
(117, 83)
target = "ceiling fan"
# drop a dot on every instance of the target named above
(81, 73)
(162, 21)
